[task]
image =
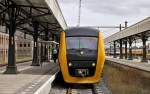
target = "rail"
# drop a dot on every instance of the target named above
(86, 89)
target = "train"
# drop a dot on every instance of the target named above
(81, 55)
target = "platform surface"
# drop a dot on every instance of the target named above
(136, 63)
(28, 80)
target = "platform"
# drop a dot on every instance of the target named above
(29, 80)
(131, 63)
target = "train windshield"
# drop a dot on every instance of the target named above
(82, 43)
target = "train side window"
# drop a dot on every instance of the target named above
(25, 45)
(29, 45)
(20, 45)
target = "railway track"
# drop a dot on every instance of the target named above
(59, 87)
(79, 89)
(92, 89)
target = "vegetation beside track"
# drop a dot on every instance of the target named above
(126, 80)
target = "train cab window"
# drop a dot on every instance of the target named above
(82, 43)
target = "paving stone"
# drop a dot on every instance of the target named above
(28, 77)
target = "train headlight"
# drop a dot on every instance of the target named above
(81, 53)
(70, 64)
(93, 64)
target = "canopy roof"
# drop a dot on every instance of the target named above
(135, 29)
(46, 13)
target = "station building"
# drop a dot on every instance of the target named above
(24, 45)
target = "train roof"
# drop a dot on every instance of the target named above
(82, 31)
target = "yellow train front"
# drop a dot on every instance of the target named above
(81, 55)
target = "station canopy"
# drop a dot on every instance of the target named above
(133, 31)
(46, 13)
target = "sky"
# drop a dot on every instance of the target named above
(105, 13)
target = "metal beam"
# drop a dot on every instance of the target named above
(26, 20)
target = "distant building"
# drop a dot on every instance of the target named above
(24, 45)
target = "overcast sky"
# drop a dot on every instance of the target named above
(105, 12)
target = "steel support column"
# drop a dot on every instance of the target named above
(110, 49)
(46, 52)
(36, 59)
(126, 50)
(121, 55)
(130, 49)
(114, 50)
(11, 67)
(144, 39)
(42, 52)
(46, 45)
